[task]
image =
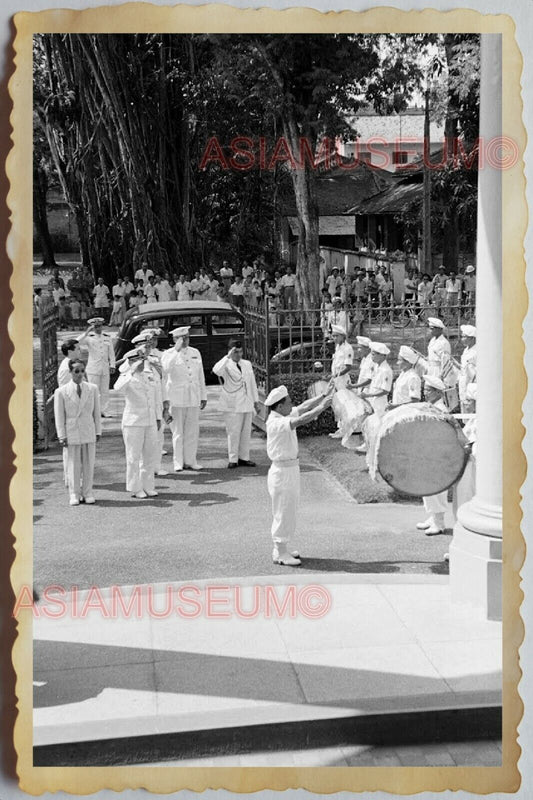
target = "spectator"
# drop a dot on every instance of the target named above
(346, 289)
(74, 285)
(439, 288)
(385, 292)
(257, 293)
(197, 287)
(409, 288)
(358, 288)
(212, 291)
(37, 299)
(128, 287)
(117, 315)
(150, 290)
(101, 299)
(183, 289)
(172, 289)
(247, 271)
(57, 292)
(143, 273)
(287, 286)
(63, 315)
(469, 285)
(333, 282)
(425, 290)
(135, 299)
(58, 279)
(453, 289)
(85, 311)
(236, 291)
(75, 311)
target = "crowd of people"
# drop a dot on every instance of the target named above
(341, 294)
(168, 388)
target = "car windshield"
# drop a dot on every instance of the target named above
(224, 324)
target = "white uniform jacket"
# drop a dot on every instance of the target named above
(101, 353)
(77, 419)
(239, 389)
(142, 390)
(438, 351)
(282, 441)
(381, 381)
(342, 357)
(366, 369)
(407, 387)
(183, 377)
(468, 369)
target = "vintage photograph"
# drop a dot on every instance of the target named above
(267, 399)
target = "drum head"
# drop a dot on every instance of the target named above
(421, 457)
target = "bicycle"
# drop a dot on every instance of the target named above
(402, 316)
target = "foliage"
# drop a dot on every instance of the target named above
(297, 386)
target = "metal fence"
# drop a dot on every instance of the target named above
(289, 343)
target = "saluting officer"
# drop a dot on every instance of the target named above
(238, 399)
(155, 358)
(407, 386)
(184, 396)
(101, 361)
(439, 350)
(141, 385)
(468, 367)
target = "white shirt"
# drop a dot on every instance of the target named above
(247, 271)
(163, 291)
(226, 272)
(183, 377)
(236, 289)
(239, 390)
(333, 283)
(183, 290)
(407, 387)
(142, 275)
(342, 357)
(198, 285)
(288, 281)
(150, 293)
(118, 289)
(282, 441)
(101, 353)
(101, 295)
(438, 349)
(381, 381)
(142, 391)
(424, 291)
(453, 287)
(367, 368)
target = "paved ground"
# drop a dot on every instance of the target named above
(212, 524)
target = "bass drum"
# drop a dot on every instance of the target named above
(418, 451)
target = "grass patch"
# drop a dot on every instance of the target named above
(349, 468)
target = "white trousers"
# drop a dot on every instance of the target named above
(161, 442)
(370, 430)
(80, 469)
(284, 490)
(185, 427)
(239, 430)
(102, 381)
(141, 446)
(437, 505)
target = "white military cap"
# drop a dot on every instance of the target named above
(276, 395)
(153, 331)
(143, 336)
(470, 268)
(434, 382)
(408, 354)
(183, 331)
(468, 330)
(96, 321)
(364, 340)
(126, 364)
(338, 329)
(434, 322)
(379, 347)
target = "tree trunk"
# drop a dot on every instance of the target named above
(40, 218)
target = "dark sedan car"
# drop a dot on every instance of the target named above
(211, 325)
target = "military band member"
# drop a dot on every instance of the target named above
(184, 396)
(284, 472)
(141, 386)
(468, 367)
(377, 395)
(341, 365)
(367, 365)
(238, 399)
(437, 504)
(407, 386)
(439, 350)
(78, 426)
(101, 361)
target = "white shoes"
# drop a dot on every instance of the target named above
(286, 559)
(90, 501)
(74, 500)
(433, 530)
(163, 452)
(195, 467)
(152, 494)
(162, 472)
(336, 435)
(423, 526)
(431, 527)
(178, 468)
(140, 495)
(361, 448)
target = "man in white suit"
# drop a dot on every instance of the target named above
(155, 357)
(78, 426)
(184, 396)
(101, 361)
(141, 385)
(238, 399)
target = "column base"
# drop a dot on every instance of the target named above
(476, 571)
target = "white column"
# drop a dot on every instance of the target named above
(476, 549)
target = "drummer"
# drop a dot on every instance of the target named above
(439, 349)
(468, 367)
(407, 386)
(437, 504)
(377, 395)
(341, 365)
(367, 366)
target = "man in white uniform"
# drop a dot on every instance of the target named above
(367, 365)
(377, 395)
(284, 473)
(152, 334)
(141, 387)
(183, 289)
(439, 350)
(437, 504)
(101, 361)
(238, 399)
(184, 396)
(407, 386)
(341, 364)
(468, 367)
